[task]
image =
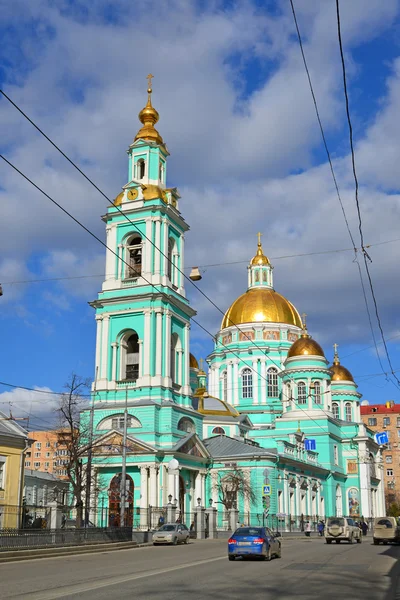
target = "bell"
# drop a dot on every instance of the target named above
(195, 274)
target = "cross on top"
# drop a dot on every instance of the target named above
(335, 346)
(303, 318)
(259, 238)
(201, 364)
(149, 78)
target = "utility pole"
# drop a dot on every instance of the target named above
(90, 454)
(123, 476)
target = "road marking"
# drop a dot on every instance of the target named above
(88, 587)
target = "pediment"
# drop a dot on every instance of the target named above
(112, 443)
(192, 446)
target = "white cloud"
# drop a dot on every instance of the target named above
(37, 408)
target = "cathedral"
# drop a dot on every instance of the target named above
(270, 407)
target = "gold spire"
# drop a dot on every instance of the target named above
(305, 333)
(259, 259)
(149, 117)
(336, 360)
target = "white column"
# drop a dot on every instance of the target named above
(203, 489)
(140, 342)
(181, 265)
(180, 361)
(104, 347)
(214, 481)
(236, 382)
(171, 484)
(114, 361)
(157, 241)
(229, 382)
(255, 381)
(120, 264)
(111, 233)
(153, 501)
(167, 346)
(198, 488)
(263, 381)
(186, 365)
(143, 496)
(309, 396)
(99, 321)
(148, 247)
(165, 248)
(159, 343)
(146, 342)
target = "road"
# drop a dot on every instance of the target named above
(201, 570)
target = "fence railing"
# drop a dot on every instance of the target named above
(17, 539)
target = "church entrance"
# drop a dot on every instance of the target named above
(114, 501)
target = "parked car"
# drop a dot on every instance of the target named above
(254, 541)
(171, 533)
(386, 529)
(342, 528)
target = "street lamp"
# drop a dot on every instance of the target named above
(198, 501)
(170, 498)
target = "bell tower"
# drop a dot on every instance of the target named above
(142, 314)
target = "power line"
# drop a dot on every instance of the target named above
(337, 189)
(353, 162)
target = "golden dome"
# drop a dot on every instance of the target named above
(149, 117)
(261, 305)
(340, 373)
(259, 259)
(193, 362)
(305, 346)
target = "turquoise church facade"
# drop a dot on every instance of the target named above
(270, 407)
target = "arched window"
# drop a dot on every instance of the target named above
(132, 358)
(176, 367)
(117, 422)
(187, 425)
(218, 431)
(335, 410)
(161, 173)
(224, 381)
(171, 266)
(134, 257)
(317, 392)
(347, 411)
(247, 383)
(140, 168)
(272, 382)
(301, 393)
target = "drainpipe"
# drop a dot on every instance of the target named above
(21, 479)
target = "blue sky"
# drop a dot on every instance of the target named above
(246, 153)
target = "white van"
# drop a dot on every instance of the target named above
(342, 528)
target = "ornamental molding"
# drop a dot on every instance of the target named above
(345, 393)
(305, 370)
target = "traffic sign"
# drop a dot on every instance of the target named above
(266, 490)
(310, 444)
(382, 438)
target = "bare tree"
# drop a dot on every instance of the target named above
(73, 434)
(231, 486)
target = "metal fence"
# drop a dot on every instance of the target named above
(17, 539)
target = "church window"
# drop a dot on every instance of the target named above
(132, 358)
(218, 431)
(134, 257)
(335, 410)
(265, 275)
(301, 393)
(347, 408)
(172, 267)
(117, 422)
(161, 172)
(140, 168)
(187, 425)
(257, 276)
(272, 382)
(317, 392)
(247, 383)
(176, 353)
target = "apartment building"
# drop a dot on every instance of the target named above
(48, 452)
(386, 417)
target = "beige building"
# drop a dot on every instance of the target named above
(48, 453)
(380, 418)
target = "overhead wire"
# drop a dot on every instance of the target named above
(355, 260)
(365, 254)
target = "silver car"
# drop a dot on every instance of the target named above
(171, 533)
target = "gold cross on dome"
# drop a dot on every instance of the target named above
(259, 238)
(149, 78)
(335, 346)
(201, 364)
(303, 318)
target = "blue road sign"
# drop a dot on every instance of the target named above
(310, 444)
(382, 438)
(266, 490)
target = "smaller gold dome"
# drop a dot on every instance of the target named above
(193, 361)
(149, 117)
(340, 373)
(259, 259)
(305, 346)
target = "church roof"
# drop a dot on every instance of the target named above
(222, 446)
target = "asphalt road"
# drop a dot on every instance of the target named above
(201, 570)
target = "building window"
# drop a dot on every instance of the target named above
(37, 454)
(140, 168)
(27, 463)
(48, 445)
(272, 382)
(372, 421)
(389, 472)
(398, 422)
(176, 358)
(118, 421)
(47, 454)
(46, 465)
(347, 409)
(38, 445)
(161, 172)
(187, 425)
(218, 430)
(301, 393)
(317, 392)
(391, 485)
(389, 458)
(172, 267)
(134, 257)
(2, 472)
(335, 455)
(225, 386)
(36, 465)
(386, 421)
(132, 358)
(247, 383)
(335, 410)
